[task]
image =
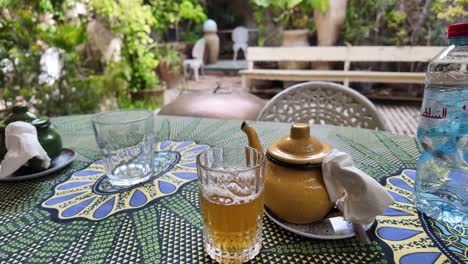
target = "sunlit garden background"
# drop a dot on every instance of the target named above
(76, 57)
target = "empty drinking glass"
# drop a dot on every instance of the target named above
(126, 141)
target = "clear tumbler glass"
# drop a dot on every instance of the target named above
(126, 141)
(230, 181)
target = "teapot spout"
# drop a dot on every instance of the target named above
(252, 136)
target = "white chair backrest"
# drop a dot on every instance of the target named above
(240, 35)
(198, 50)
(322, 103)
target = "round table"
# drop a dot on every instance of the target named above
(64, 218)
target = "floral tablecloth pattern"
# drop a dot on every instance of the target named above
(75, 216)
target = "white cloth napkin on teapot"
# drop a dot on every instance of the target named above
(22, 145)
(357, 195)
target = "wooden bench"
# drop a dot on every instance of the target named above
(337, 54)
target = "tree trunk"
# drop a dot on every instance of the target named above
(420, 22)
(328, 26)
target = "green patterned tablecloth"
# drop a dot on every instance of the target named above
(68, 218)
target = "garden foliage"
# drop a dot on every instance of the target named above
(401, 22)
(83, 79)
(23, 39)
(30, 29)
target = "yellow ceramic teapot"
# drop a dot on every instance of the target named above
(294, 188)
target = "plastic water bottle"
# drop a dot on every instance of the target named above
(441, 186)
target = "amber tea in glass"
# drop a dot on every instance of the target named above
(230, 181)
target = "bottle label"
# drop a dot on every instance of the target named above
(444, 110)
(434, 113)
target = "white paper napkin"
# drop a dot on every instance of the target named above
(357, 195)
(22, 145)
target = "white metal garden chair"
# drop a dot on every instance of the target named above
(322, 103)
(196, 64)
(240, 37)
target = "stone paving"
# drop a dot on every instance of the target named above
(400, 117)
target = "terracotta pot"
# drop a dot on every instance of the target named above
(212, 47)
(168, 75)
(295, 38)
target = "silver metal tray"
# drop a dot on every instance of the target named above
(330, 228)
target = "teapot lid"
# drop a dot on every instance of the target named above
(299, 147)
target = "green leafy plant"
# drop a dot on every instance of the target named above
(399, 22)
(170, 14)
(20, 58)
(292, 14)
(65, 36)
(112, 82)
(451, 10)
(387, 29)
(22, 43)
(37, 5)
(133, 20)
(289, 14)
(191, 36)
(127, 103)
(169, 57)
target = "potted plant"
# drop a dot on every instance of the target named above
(172, 15)
(179, 20)
(170, 65)
(142, 79)
(133, 20)
(293, 16)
